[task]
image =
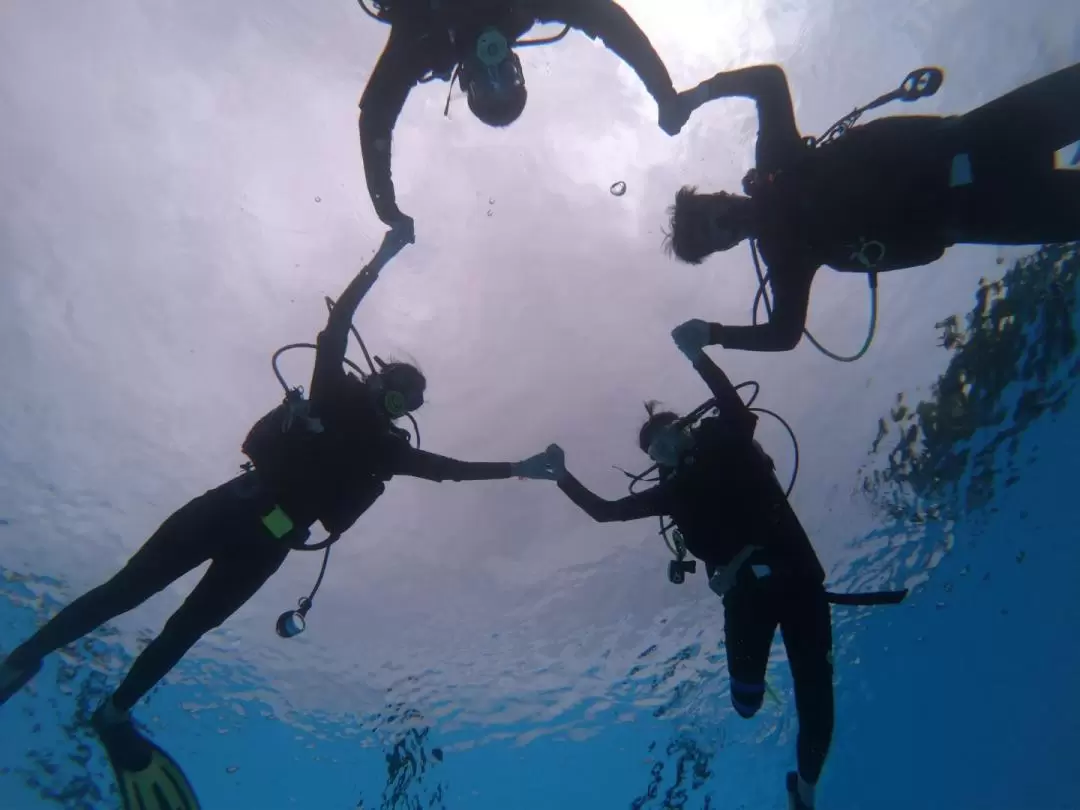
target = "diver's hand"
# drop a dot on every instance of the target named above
(724, 578)
(691, 337)
(403, 227)
(556, 461)
(536, 467)
(675, 112)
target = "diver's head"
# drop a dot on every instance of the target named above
(662, 438)
(399, 387)
(705, 223)
(492, 79)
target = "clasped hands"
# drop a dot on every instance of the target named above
(690, 337)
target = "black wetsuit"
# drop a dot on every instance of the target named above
(898, 191)
(420, 45)
(337, 476)
(724, 496)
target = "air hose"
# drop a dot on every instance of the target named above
(762, 296)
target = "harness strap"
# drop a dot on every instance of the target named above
(761, 571)
(867, 597)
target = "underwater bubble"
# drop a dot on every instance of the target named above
(318, 199)
(618, 188)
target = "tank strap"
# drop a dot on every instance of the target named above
(867, 597)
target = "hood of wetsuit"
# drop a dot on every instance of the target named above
(653, 425)
(399, 388)
(669, 445)
(492, 78)
(664, 439)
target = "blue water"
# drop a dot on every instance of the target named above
(182, 185)
(962, 697)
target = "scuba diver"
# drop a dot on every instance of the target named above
(720, 489)
(323, 459)
(473, 41)
(889, 194)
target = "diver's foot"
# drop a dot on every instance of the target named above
(797, 793)
(13, 678)
(121, 739)
(108, 715)
(146, 776)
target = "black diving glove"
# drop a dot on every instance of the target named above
(539, 467)
(403, 227)
(674, 112)
(556, 460)
(691, 337)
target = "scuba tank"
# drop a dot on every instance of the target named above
(277, 441)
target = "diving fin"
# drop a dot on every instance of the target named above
(148, 778)
(13, 679)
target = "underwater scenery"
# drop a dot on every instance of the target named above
(476, 404)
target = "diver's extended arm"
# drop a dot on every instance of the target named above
(433, 467)
(728, 402)
(407, 460)
(649, 503)
(608, 21)
(767, 86)
(401, 65)
(333, 341)
(784, 329)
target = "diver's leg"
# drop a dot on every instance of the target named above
(174, 549)
(749, 626)
(1031, 122)
(231, 580)
(1036, 209)
(806, 625)
(1005, 186)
